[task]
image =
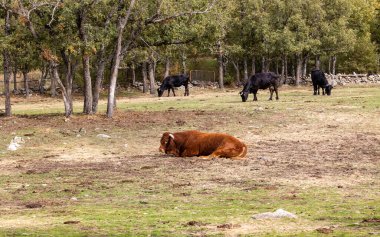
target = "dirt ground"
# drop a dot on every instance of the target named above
(295, 145)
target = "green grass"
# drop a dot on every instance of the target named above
(127, 199)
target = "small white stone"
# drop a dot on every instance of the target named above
(280, 213)
(103, 136)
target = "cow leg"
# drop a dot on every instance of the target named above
(173, 91)
(186, 90)
(276, 90)
(228, 152)
(318, 90)
(315, 89)
(323, 91)
(271, 93)
(168, 92)
(254, 95)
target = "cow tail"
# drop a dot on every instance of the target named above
(244, 152)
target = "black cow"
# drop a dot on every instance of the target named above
(261, 81)
(174, 81)
(320, 81)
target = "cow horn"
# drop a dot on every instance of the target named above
(171, 135)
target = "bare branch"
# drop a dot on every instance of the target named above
(124, 20)
(53, 12)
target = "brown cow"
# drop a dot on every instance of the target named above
(205, 145)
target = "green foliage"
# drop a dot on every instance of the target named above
(245, 28)
(362, 58)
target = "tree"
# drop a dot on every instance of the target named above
(7, 65)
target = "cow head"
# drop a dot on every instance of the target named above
(244, 95)
(160, 92)
(168, 145)
(328, 89)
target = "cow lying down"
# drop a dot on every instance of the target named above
(204, 145)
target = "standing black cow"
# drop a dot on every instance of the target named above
(174, 81)
(320, 81)
(261, 81)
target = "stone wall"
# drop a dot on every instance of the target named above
(343, 79)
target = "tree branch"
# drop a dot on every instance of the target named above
(53, 12)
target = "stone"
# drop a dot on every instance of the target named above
(15, 143)
(279, 213)
(103, 136)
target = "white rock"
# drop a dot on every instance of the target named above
(280, 213)
(103, 136)
(13, 146)
(15, 143)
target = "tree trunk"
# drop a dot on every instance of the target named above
(133, 74)
(276, 66)
(237, 70)
(333, 65)
(286, 69)
(15, 77)
(66, 94)
(245, 69)
(151, 76)
(145, 76)
(167, 67)
(69, 78)
(184, 68)
(329, 70)
(81, 21)
(282, 70)
(114, 73)
(122, 21)
(262, 64)
(253, 65)
(101, 63)
(7, 69)
(298, 69)
(267, 64)
(317, 62)
(53, 86)
(304, 66)
(43, 79)
(87, 106)
(7, 77)
(220, 61)
(26, 83)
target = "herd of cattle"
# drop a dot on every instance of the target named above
(257, 81)
(215, 145)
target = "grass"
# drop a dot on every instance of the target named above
(323, 165)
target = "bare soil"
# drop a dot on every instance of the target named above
(288, 149)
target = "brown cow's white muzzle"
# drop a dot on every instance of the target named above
(161, 150)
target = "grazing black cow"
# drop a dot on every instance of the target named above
(261, 81)
(320, 81)
(174, 81)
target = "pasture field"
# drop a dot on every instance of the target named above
(315, 156)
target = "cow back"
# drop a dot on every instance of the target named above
(318, 77)
(264, 80)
